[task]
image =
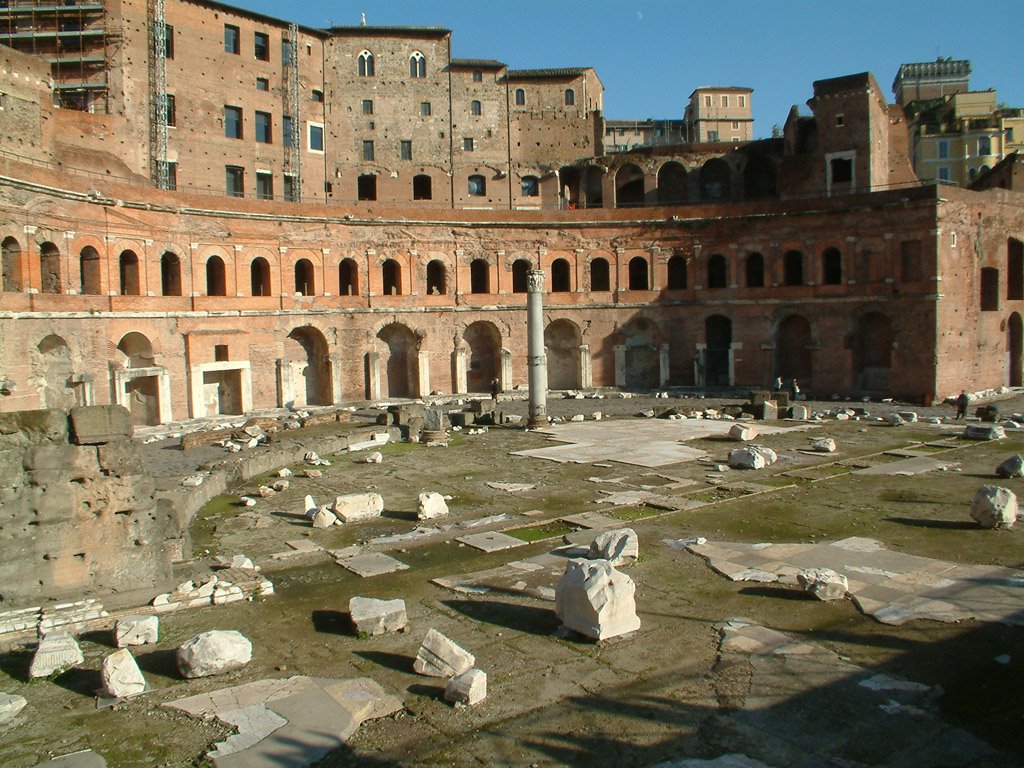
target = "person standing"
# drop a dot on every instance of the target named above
(796, 390)
(962, 401)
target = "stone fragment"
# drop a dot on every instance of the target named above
(193, 481)
(752, 457)
(57, 651)
(136, 630)
(798, 412)
(983, 432)
(280, 485)
(894, 420)
(1012, 467)
(214, 652)
(823, 583)
(10, 706)
(823, 444)
(468, 688)
(121, 676)
(243, 562)
(743, 432)
(324, 518)
(97, 424)
(440, 657)
(619, 547)
(356, 507)
(994, 507)
(910, 417)
(430, 505)
(312, 473)
(371, 616)
(309, 507)
(248, 501)
(284, 472)
(596, 600)
(376, 457)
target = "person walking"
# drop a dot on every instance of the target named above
(962, 401)
(796, 390)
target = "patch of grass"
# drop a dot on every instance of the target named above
(541, 531)
(824, 471)
(712, 495)
(782, 481)
(204, 526)
(633, 513)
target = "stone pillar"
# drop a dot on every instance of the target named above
(505, 379)
(620, 364)
(663, 365)
(538, 362)
(373, 375)
(586, 373)
(164, 398)
(285, 389)
(459, 366)
(334, 365)
(423, 371)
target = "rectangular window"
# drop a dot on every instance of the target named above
(725, 100)
(943, 149)
(261, 46)
(172, 113)
(735, 125)
(712, 135)
(264, 128)
(316, 95)
(233, 122)
(232, 38)
(286, 52)
(944, 173)
(367, 150)
(1009, 134)
(707, 101)
(262, 84)
(291, 191)
(234, 181)
(742, 100)
(316, 137)
(840, 121)
(264, 185)
(367, 106)
(467, 144)
(172, 175)
(478, 76)
(425, 109)
(287, 130)
(406, 149)
(168, 42)
(842, 170)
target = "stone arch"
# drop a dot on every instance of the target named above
(561, 276)
(1015, 349)
(629, 186)
(479, 276)
(170, 274)
(10, 249)
(52, 369)
(570, 180)
(831, 267)
(305, 353)
(600, 274)
(643, 357)
(305, 280)
(137, 350)
(422, 187)
(871, 345)
(793, 268)
(348, 277)
(128, 273)
(562, 340)
(142, 392)
(792, 358)
(753, 265)
(677, 273)
(259, 276)
(520, 275)
(391, 277)
(639, 274)
(716, 180)
(758, 178)
(437, 278)
(216, 277)
(484, 360)
(401, 366)
(718, 341)
(672, 183)
(49, 268)
(89, 271)
(718, 271)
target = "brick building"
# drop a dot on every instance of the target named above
(818, 256)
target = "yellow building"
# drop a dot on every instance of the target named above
(719, 113)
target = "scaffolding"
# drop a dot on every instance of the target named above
(73, 39)
(292, 150)
(158, 95)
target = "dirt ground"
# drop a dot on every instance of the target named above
(662, 693)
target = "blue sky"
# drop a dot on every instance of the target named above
(650, 54)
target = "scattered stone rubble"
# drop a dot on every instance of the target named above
(136, 630)
(619, 547)
(357, 507)
(57, 651)
(595, 600)
(824, 583)
(743, 433)
(371, 616)
(440, 657)
(469, 688)
(213, 653)
(1012, 467)
(823, 444)
(121, 676)
(983, 432)
(10, 706)
(994, 507)
(752, 457)
(431, 505)
(227, 586)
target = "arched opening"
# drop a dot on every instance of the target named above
(49, 268)
(128, 273)
(89, 271)
(11, 252)
(437, 283)
(401, 368)
(677, 273)
(529, 186)
(569, 187)
(364, 64)
(758, 178)
(1014, 270)
(348, 278)
(715, 180)
(593, 186)
(417, 65)
(304, 281)
(718, 341)
(792, 359)
(718, 273)
(479, 276)
(142, 392)
(520, 97)
(216, 278)
(52, 369)
(170, 274)
(305, 354)
(476, 186)
(643, 358)
(391, 278)
(793, 268)
(520, 275)
(871, 346)
(638, 274)
(1015, 348)
(570, 97)
(484, 362)
(754, 267)
(600, 275)
(422, 187)
(137, 350)
(671, 183)
(562, 340)
(629, 186)
(831, 267)
(259, 276)
(560, 276)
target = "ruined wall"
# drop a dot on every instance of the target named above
(25, 89)
(78, 509)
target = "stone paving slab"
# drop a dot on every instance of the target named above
(591, 520)
(534, 577)
(371, 564)
(915, 465)
(494, 541)
(84, 759)
(891, 586)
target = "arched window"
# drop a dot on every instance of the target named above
(529, 186)
(348, 278)
(391, 276)
(793, 268)
(259, 277)
(477, 185)
(831, 267)
(170, 274)
(479, 277)
(365, 64)
(304, 277)
(128, 272)
(89, 269)
(216, 282)
(755, 270)
(638, 274)
(417, 65)
(11, 265)
(718, 274)
(520, 97)
(560, 280)
(422, 187)
(49, 268)
(600, 279)
(570, 97)
(520, 275)
(475, 108)
(436, 278)
(677, 273)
